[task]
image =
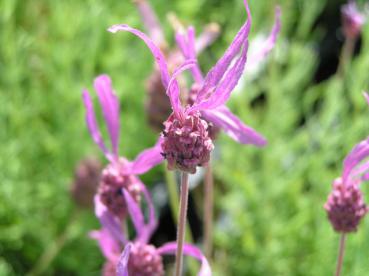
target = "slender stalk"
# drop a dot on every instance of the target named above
(181, 223)
(346, 54)
(171, 183)
(208, 210)
(341, 253)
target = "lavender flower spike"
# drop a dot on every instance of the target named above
(186, 142)
(120, 173)
(345, 205)
(138, 257)
(352, 20)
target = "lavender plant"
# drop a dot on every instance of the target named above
(345, 205)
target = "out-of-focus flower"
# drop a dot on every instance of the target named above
(345, 205)
(120, 173)
(352, 20)
(213, 93)
(86, 180)
(138, 256)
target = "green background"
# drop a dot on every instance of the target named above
(269, 202)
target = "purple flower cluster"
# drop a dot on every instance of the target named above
(186, 141)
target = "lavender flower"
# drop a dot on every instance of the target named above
(120, 173)
(139, 257)
(211, 97)
(345, 205)
(352, 20)
(222, 79)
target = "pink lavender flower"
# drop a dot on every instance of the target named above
(120, 173)
(139, 258)
(352, 20)
(222, 79)
(214, 92)
(345, 205)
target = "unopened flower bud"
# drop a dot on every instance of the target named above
(345, 207)
(352, 20)
(86, 180)
(186, 142)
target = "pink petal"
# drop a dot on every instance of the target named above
(160, 59)
(366, 97)
(110, 107)
(270, 42)
(92, 124)
(109, 246)
(173, 89)
(122, 267)
(109, 221)
(186, 43)
(135, 212)
(357, 154)
(216, 74)
(147, 159)
(233, 126)
(144, 231)
(190, 250)
(150, 21)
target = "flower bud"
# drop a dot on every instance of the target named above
(345, 207)
(186, 142)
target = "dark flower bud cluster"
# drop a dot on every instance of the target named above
(113, 180)
(186, 142)
(86, 180)
(345, 207)
(144, 260)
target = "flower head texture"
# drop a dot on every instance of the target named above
(138, 257)
(345, 205)
(120, 173)
(352, 20)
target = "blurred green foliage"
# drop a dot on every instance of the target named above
(270, 219)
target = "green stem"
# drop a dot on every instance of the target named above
(341, 253)
(182, 223)
(345, 57)
(208, 211)
(171, 183)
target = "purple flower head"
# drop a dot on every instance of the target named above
(212, 92)
(138, 256)
(352, 20)
(120, 173)
(345, 205)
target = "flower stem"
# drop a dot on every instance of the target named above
(171, 183)
(181, 223)
(346, 54)
(341, 253)
(208, 210)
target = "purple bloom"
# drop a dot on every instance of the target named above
(120, 173)
(345, 205)
(138, 256)
(214, 91)
(352, 20)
